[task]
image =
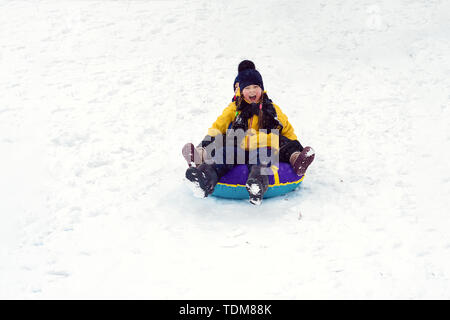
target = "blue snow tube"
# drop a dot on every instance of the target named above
(232, 184)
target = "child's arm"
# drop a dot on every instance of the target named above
(288, 129)
(220, 126)
(288, 143)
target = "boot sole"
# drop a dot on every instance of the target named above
(198, 184)
(255, 191)
(302, 163)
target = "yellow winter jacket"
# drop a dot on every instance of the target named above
(254, 137)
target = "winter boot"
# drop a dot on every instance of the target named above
(257, 184)
(204, 178)
(300, 161)
(194, 156)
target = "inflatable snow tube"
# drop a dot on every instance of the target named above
(232, 184)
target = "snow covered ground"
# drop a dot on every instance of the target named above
(98, 97)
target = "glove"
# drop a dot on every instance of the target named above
(241, 120)
(239, 123)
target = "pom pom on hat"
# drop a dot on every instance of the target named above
(246, 64)
(243, 65)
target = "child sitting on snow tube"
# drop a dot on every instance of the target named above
(267, 133)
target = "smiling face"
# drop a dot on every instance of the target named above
(252, 93)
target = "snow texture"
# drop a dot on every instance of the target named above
(254, 189)
(98, 98)
(310, 152)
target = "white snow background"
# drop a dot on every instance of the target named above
(98, 97)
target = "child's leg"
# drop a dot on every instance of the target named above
(258, 179)
(293, 152)
(194, 156)
(288, 147)
(300, 161)
(226, 158)
(204, 178)
(206, 175)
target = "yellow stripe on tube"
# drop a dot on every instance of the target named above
(275, 174)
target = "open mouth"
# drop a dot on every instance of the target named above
(252, 97)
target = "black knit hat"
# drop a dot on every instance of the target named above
(243, 65)
(249, 77)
